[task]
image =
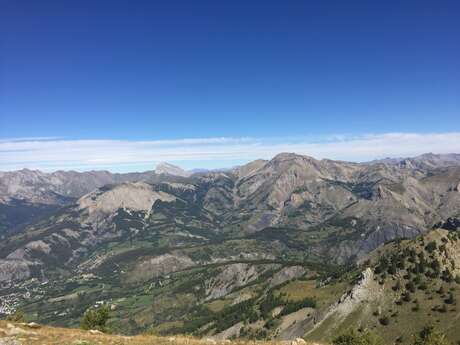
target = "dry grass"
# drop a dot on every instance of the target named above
(217, 305)
(297, 290)
(66, 336)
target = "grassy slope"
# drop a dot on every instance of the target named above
(391, 316)
(69, 336)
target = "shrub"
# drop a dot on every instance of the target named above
(269, 303)
(410, 286)
(392, 269)
(442, 309)
(95, 318)
(353, 337)
(397, 286)
(17, 316)
(431, 247)
(429, 336)
(406, 297)
(423, 286)
(270, 323)
(232, 314)
(447, 276)
(450, 299)
(385, 321)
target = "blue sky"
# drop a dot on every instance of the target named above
(268, 74)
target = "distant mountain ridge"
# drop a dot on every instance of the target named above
(40, 187)
(217, 239)
(285, 183)
(379, 201)
(26, 195)
(424, 161)
(37, 186)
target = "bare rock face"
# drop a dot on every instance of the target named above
(250, 168)
(159, 266)
(38, 246)
(13, 270)
(233, 276)
(40, 187)
(365, 290)
(136, 196)
(285, 274)
(33, 325)
(233, 331)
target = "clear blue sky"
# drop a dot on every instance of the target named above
(151, 70)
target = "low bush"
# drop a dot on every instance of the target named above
(17, 316)
(95, 318)
(429, 336)
(354, 337)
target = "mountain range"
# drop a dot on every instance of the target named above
(256, 246)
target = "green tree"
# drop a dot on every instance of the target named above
(353, 337)
(406, 296)
(95, 318)
(450, 298)
(17, 316)
(431, 247)
(457, 279)
(397, 286)
(385, 321)
(429, 336)
(410, 286)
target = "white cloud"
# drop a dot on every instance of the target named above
(55, 153)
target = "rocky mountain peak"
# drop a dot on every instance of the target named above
(286, 156)
(171, 169)
(137, 196)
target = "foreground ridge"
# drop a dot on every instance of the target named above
(33, 334)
